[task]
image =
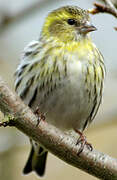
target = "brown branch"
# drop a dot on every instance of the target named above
(20, 116)
(100, 8)
(107, 8)
(110, 4)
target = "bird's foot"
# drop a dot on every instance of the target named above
(40, 115)
(82, 140)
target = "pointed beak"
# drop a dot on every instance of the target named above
(87, 27)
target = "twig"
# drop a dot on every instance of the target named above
(110, 4)
(19, 115)
(100, 8)
(107, 8)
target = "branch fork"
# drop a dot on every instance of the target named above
(107, 7)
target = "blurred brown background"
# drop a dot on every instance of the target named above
(26, 26)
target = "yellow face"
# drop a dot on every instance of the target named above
(67, 24)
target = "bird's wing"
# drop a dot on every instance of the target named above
(99, 76)
(39, 72)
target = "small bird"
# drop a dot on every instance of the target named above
(62, 73)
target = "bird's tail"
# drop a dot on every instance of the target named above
(36, 161)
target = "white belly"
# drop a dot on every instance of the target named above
(69, 106)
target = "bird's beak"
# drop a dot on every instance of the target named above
(87, 27)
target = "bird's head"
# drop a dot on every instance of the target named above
(69, 23)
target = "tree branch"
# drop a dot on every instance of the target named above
(62, 145)
(107, 8)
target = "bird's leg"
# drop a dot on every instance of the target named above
(40, 115)
(83, 141)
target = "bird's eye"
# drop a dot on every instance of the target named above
(71, 21)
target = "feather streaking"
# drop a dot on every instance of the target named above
(62, 73)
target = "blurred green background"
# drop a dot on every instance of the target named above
(14, 36)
